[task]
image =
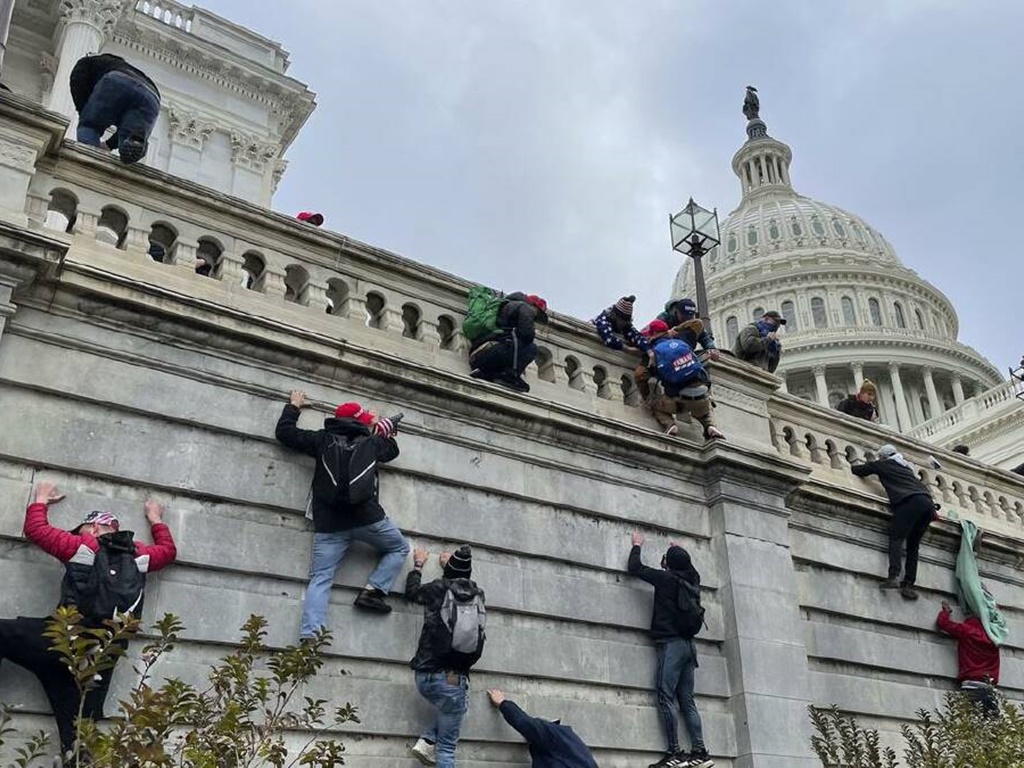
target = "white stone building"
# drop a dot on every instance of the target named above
(853, 311)
(229, 111)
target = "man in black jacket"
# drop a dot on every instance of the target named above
(862, 404)
(552, 745)
(107, 91)
(912, 512)
(442, 672)
(502, 356)
(677, 654)
(336, 526)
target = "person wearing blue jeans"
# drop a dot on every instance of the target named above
(108, 91)
(441, 671)
(672, 632)
(337, 524)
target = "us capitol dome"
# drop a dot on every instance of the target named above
(853, 310)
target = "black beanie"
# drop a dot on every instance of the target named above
(678, 559)
(460, 564)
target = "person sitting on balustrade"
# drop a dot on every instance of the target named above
(502, 355)
(108, 91)
(685, 384)
(912, 512)
(679, 320)
(862, 404)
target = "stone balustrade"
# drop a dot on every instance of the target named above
(169, 12)
(271, 266)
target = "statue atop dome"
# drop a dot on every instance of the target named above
(751, 104)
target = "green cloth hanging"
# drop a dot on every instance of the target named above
(973, 596)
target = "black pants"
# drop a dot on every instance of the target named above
(22, 642)
(984, 698)
(910, 519)
(505, 357)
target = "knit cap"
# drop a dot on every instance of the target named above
(624, 306)
(460, 564)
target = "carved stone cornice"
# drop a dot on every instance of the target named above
(287, 100)
(17, 156)
(188, 127)
(251, 152)
(280, 166)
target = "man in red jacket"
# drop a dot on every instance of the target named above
(22, 640)
(978, 658)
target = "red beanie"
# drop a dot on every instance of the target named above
(353, 411)
(656, 326)
(538, 302)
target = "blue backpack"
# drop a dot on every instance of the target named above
(676, 364)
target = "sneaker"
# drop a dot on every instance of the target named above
(908, 591)
(424, 751)
(670, 760)
(697, 760)
(672, 431)
(889, 584)
(713, 433)
(372, 600)
(520, 385)
(476, 373)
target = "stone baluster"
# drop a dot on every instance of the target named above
(356, 305)
(183, 254)
(429, 333)
(272, 283)
(137, 241)
(37, 208)
(86, 221)
(231, 269)
(316, 297)
(391, 319)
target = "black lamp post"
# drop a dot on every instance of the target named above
(694, 232)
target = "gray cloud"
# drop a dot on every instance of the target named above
(541, 145)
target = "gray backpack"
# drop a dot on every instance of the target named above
(464, 614)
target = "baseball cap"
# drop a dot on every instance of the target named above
(98, 517)
(775, 316)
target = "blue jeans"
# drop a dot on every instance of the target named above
(329, 550)
(451, 702)
(677, 660)
(507, 356)
(120, 100)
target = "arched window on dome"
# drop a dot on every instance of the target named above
(817, 226)
(818, 313)
(758, 313)
(797, 230)
(849, 313)
(837, 226)
(901, 319)
(789, 312)
(876, 311)
(773, 230)
(919, 319)
(751, 236)
(732, 328)
(732, 242)
(857, 232)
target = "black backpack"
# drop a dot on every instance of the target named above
(351, 467)
(691, 614)
(115, 584)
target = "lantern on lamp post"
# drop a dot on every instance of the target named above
(1017, 377)
(694, 231)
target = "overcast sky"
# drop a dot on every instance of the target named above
(541, 144)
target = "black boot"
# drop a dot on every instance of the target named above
(372, 600)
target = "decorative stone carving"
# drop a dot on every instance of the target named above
(251, 152)
(48, 70)
(189, 128)
(17, 156)
(280, 166)
(102, 14)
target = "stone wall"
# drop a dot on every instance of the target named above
(121, 377)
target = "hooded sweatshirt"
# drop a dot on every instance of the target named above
(326, 518)
(978, 656)
(552, 745)
(665, 617)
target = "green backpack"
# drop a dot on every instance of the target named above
(482, 315)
